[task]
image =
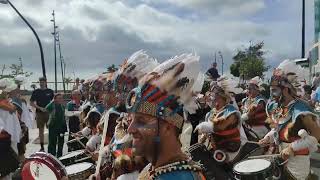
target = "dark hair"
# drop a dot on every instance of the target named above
(42, 79)
(56, 95)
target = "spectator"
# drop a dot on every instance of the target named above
(213, 72)
(56, 125)
(40, 98)
(77, 85)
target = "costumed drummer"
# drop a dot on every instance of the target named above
(297, 130)
(224, 123)
(72, 112)
(123, 81)
(156, 123)
(10, 131)
(253, 108)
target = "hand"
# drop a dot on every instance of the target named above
(42, 109)
(264, 141)
(286, 153)
(95, 156)
(94, 177)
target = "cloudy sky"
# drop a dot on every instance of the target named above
(96, 33)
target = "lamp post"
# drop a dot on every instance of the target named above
(61, 62)
(55, 50)
(222, 63)
(34, 32)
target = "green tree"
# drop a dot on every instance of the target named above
(249, 62)
(16, 69)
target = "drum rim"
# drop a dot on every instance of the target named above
(75, 174)
(250, 173)
(56, 160)
(81, 150)
(50, 165)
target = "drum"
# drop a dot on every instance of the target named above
(212, 168)
(75, 157)
(80, 170)
(74, 145)
(253, 169)
(41, 165)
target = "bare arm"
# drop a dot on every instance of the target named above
(311, 126)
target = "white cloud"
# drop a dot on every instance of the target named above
(96, 33)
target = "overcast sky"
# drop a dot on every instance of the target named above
(96, 33)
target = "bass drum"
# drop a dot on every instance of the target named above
(41, 165)
(212, 169)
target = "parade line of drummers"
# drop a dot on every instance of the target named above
(153, 121)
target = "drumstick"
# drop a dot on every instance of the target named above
(264, 156)
(102, 144)
(83, 145)
(104, 133)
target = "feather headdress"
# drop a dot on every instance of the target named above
(132, 70)
(169, 87)
(289, 75)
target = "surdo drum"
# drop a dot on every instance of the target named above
(75, 157)
(41, 165)
(253, 169)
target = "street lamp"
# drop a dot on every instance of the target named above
(34, 32)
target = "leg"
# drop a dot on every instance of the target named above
(60, 144)
(52, 146)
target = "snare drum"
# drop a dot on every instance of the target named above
(80, 171)
(253, 169)
(41, 165)
(75, 157)
(74, 145)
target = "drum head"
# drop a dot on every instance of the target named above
(251, 166)
(71, 154)
(77, 168)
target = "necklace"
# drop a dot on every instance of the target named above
(183, 165)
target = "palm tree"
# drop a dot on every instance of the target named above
(33, 86)
(67, 80)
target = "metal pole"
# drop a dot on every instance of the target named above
(37, 37)
(55, 52)
(303, 30)
(221, 62)
(62, 76)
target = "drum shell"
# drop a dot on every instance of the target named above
(83, 174)
(78, 158)
(199, 153)
(74, 145)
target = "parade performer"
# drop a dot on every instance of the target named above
(224, 123)
(155, 107)
(124, 80)
(291, 117)
(73, 113)
(253, 108)
(10, 131)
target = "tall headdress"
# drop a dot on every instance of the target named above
(224, 87)
(255, 82)
(289, 75)
(167, 89)
(132, 70)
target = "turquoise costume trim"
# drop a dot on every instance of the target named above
(229, 110)
(300, 107)
(175, 175)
